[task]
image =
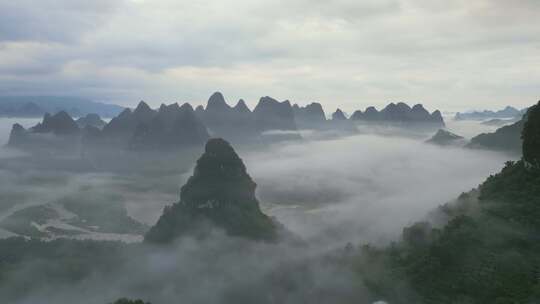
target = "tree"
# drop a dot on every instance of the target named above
(531, 137)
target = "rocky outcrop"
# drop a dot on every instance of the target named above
(271, 114)
(172, 127)
(120, 129)
(232, 123)
(400, 113)
(92, 120)
(339, 115)
(18, 136)
(241, 107)
(59, 124)
(221, 194)
(57, 132)
(309, 116)
(445, 138)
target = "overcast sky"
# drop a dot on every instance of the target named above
(447, 54)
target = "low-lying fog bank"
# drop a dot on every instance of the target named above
(354, 189)
(359, 188)
(363, 188)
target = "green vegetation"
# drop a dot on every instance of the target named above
(487, 252)
(506, 138)
(59, 262)
(531, 136)
(219, 193)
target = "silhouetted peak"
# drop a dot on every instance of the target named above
(314, 106)
(186, 107)
(59, 123)
(339, 115)
(390, 107)
(17, 127)
(142, 107)
(219, 192)
(267, 100)
(311, 113)
(437, 114)
(444, 137)
(124, 114)
(199, 110)
(220, 148)
(242, 107)
(357, 115)
(371, 110)
(17, 135)
(418, 107)
(403, 107)
(217, 103)
(91, 119)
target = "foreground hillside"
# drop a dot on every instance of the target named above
(485, 252)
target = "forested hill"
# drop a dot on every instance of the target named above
(487, 252)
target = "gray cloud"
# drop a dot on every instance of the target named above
(450, 55)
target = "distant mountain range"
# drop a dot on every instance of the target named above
(506, 113)
(37, 106)
(174, 126)
(399, 113)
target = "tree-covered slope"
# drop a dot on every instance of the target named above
(486, 252)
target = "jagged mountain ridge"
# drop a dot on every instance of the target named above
(399, 113)
(37, 106)
(506, 113)
(174, 126)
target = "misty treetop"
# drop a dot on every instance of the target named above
(531, 137)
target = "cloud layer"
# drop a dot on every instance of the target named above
(450, 55)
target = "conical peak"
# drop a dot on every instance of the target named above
(142, 107)
(63, 115)
(418, 107)
(173, 106)
(125, 113)
(338, 115)
(267, 100)
(241, 106)
(219, 147)
(186, 107)
(402, 105)
(217, 102)
(315, 106)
